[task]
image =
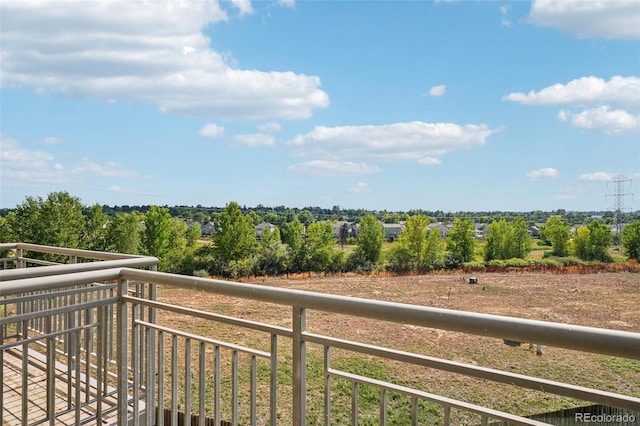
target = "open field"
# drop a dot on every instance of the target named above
(607, 300)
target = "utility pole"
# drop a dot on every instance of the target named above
(619, 183)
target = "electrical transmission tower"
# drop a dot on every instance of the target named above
(619, 183)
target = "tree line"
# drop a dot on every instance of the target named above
(279, 215)
(301, 244)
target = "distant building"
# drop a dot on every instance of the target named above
(207, 228)
(392, 230)
(262, 227)
(441, 227)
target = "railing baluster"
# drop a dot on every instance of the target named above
(135, 362)
(78, 373)
(447, 416)
(101, 314)
(354, 404)
(51, 376)
(122, 351)
(174, 380)
(201, 385)
(25, 367)
(187, 381)
(299, 361)
(327, 386)
(234, 388)
(414, 411)
(274, 379)
(383, 407)
(160, 418)
(216, 386)
(253, 390)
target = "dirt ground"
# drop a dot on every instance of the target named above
(606, 300)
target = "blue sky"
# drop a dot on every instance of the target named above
(396, 105)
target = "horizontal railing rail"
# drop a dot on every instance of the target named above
(154, 373)
(87, 259)
(568, 336)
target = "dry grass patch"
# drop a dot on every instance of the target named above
(607, 300)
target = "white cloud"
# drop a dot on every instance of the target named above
(360, 188)
(429, 161)
(608, 176)
(392, 142)
(149, 52)
(114, 188)
(546, 173)
(597, 176)
(254, 140)
(603, 119)
(605, 103)
(504, 12)
(22, 167)
(244, 6)
(333, 168)
(620, 91)
(270, 127)
(438, 90)
(51, 140)
(212, 131)
(109, 169)
(287, 3)
(589, 19)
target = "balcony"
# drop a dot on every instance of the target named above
(91, 342)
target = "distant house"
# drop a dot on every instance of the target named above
(207, 228)
(262, 227)
(441, 227)
(352, 229)
(480, 230)
(534, 231)
(392, 230)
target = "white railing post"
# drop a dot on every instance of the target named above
(299, 367)
(19, 263)
(122, 351)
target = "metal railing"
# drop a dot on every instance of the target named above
(167, 371)
(60, 337)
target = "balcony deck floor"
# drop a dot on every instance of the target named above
(13, 391)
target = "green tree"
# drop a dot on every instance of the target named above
(414, 238)
(370, 240)
(507, 240)
(234, 237)
(320, 247)
(124, 233)
(497, 241)
(273, 256)
(434, 252)
(292, 236)
(55, 221)
(557, 232)
(5, 235)
(306, 217)
(460, 242)
(631, 240)
(416, 248)
(193, 234)
(157, 234)
(255, 217)
(95, 230)
(520, 240)
(592, 242)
